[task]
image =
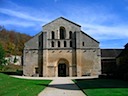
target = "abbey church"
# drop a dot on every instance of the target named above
(62, 49)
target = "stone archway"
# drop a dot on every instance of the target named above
(63, 68)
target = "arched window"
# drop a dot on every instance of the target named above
(53, 35)
(70, 43)
(65, 44)
(62, 33)
(52, 43)
(70, 35)
(58, 43)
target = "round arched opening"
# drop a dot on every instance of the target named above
(62, 33)
(63, 68)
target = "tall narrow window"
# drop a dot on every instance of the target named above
(52, 43)
(36, 70)
(70, 43)
(53, 35)
(65, 44)
(83, 43)
(70, 35)
(58, 43)
(62, 33)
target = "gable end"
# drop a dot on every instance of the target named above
(90, 36)
(64, 19)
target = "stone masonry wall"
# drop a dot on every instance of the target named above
(30, 62)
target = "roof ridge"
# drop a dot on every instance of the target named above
(64, 19)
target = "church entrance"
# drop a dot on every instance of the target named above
(62, 70)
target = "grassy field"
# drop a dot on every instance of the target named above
(10, 86)
(103, 87)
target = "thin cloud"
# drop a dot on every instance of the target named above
(19, 14)
(99, 22)
(106, 32)
(17, 23)
(23, 16)
(91, 14)
(24, 12)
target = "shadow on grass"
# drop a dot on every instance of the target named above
(100, 83)
(90, 84)
(19, 73)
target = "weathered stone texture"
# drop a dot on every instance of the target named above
(30, 62)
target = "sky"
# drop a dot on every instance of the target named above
(104, 20)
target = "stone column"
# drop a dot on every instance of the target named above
(70, 71)
(45, 54)
(78, 57)
(78, 52)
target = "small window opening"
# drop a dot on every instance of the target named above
(83, 43)
(65, 44)
(53, 35)
(58, 43)
(70, 35)
(70, 43)
(52, 43)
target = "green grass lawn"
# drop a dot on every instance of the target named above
(103, 87)
(10, 86)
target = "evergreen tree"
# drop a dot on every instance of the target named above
(2, 55)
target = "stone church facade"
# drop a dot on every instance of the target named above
(61, 49)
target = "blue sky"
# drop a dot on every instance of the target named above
(104, 20)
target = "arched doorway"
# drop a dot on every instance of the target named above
(63, 68)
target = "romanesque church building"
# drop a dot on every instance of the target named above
(61, 49)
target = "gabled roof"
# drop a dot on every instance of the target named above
(90, 37)
(126, 46)
(64, 19)
(124, 52)
(110, 52)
